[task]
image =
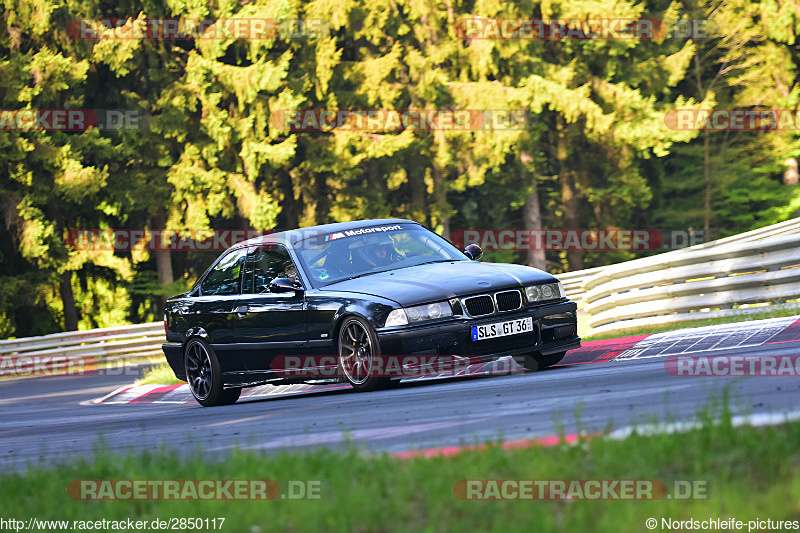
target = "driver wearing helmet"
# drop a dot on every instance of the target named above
(377, 251)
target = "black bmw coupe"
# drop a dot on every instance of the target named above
(347, 295)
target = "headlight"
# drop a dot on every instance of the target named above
(396, 318)
(419, 313)
(432, 311)
(549, 291)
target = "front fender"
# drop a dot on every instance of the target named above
(373, 312)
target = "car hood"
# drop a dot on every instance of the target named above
(441, 281)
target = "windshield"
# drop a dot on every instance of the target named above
(352, 253)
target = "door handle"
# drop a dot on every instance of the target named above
(241, 310)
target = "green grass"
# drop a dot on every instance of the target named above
(752, 473)
(692, 324)
(160, 374)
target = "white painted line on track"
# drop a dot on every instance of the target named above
(756, 420)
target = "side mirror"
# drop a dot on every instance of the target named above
(473, 251)
(284, 285)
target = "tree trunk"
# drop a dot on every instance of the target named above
(416, 185)
(532, 221)
(791, 175)
(164, 268)
(706, 151)
(68, 299)
(289, 216)
(65, 278)
(322, 196)
(376, 185)
(440, 199)
(439, 189)
(568, 198)
(709, 186)
(163, 260)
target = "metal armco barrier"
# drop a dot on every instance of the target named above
(715, 279)
(21, 357)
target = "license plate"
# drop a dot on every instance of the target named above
(502, 329)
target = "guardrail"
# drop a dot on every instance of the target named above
(574, 281)
(122, 344)
(748, 273)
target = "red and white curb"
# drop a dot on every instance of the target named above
(180, 394)
(755, 420)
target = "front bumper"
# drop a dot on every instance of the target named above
(554, 330)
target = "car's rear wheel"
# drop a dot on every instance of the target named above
(204, 376)
(537, 361)
(358, 355)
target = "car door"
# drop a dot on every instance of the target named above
(269, 324)
(213, 309)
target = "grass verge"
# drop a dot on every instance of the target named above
(160, 374)
(751, 473)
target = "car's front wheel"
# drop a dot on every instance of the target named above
(359, 354)
(204, 376)
(537, 361)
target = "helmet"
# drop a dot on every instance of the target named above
(374, 250)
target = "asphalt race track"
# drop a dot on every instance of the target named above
(605, 385)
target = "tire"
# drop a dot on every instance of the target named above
(535, 361)
(230, 396)
(204, 376)
(357, 348)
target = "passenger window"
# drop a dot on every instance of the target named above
(265, 263)
(224, 277)
(409, 245)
